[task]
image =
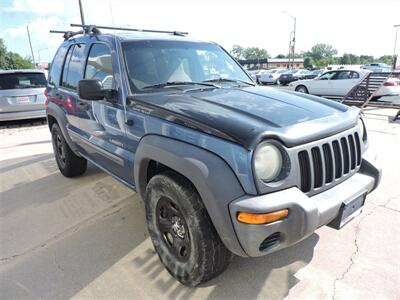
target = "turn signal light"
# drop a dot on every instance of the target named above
(263, 218)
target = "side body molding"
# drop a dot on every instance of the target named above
(211, 175)
(57, 112)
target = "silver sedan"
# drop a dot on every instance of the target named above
(22, 94)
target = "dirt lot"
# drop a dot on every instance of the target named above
(86, 237)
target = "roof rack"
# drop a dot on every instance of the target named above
(90, 27)
(69, 34)
(94, 29)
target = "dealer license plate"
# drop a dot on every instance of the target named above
(23, 100)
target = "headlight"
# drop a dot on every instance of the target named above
(267, 162)
(361, 127)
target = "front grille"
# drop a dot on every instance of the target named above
(323, 164)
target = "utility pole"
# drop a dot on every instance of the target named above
(81, 11)
(30, 44)
(394, 50)
(292, 41)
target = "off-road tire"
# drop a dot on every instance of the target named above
(207, 257)
(68, 162)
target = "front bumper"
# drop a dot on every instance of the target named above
(306, 213)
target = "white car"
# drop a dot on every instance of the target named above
(270, 76)
(339, 82)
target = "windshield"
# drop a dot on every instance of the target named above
(152, 63)
(14, 81)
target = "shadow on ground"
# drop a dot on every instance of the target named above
(64, 267)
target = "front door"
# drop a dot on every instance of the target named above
(323, 85)
(102, 123)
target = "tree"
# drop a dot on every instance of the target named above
(309, 63)
(237, 52)
(280, 56)
(10, 60)
(255, 53)
(322, 51)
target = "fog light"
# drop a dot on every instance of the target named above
(263, 218)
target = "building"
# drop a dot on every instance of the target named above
(271, 63)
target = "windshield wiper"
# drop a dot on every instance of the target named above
(229, 80)
(174, 83)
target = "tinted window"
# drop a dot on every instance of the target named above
(56, 66)
(73, 66)
(99, 65)
(22, 81)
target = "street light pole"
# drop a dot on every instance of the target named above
(30, 44)
(395, 44)
(293, 40)
(38, 51)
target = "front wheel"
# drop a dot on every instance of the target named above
(301, 89)
(181, 230)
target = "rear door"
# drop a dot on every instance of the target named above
(344, 82)
(22, 91)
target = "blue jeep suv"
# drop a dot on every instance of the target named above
(224, 166)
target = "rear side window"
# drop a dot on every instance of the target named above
(56, 67)
(99, 65)
(22, 81)
(73, 66)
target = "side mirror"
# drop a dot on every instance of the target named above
(92, 89)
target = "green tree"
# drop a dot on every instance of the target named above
(10, 60)
(321, 51)
(255, 53)
(386, 59)
(237, 52)
(280, 56)
(309, 63)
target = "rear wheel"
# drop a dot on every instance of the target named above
(181, 230)
(301, 89)
(68, 162)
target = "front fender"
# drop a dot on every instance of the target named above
(214, 180)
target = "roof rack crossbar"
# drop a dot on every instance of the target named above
(129, 29)
(68, 34)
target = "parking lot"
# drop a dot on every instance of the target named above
(86, 237)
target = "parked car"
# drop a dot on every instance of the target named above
(292, 75)
(313, 74)
(22, 94)
(338, 83)
(223, 166)
(253, 74)
(270, 76)
(378, 67)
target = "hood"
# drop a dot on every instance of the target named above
(249, 115)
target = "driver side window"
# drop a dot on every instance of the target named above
(99, 65)
(328, 75)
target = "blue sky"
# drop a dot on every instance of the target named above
(351, 26)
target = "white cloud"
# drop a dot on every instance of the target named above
(39, 7)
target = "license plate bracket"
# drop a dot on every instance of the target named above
(348, 211)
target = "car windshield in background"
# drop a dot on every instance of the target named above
(14, 81)
(155, 63)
